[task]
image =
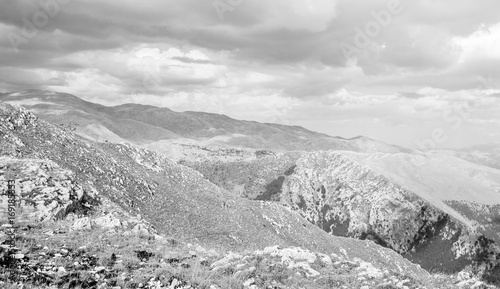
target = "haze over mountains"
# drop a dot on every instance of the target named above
(176, 133)
(244, 185)
(486, 154)
(155, 127)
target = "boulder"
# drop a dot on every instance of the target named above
(82, 224)
(107, 221)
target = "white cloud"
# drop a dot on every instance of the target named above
(483, 43)
(271, 61)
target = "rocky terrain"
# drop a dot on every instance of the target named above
(53, 254)
(443, 217)
(66, 184)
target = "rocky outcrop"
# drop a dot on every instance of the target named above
(342, 195)
(346, 198)
(88, 261)
(44, 191)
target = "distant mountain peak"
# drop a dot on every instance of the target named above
(150, 125)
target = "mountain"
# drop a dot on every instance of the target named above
(59, 174)
(436, 210)
(282, 186)
(157, 128)
(484, 154)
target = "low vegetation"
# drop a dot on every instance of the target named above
(52, 255)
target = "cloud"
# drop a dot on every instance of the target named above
(264, 60)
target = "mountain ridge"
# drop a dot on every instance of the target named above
(144, 124)
(399, 200)
(193, 207)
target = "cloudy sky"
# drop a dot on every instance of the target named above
(410, 73)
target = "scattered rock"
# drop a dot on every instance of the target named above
(108, 221)
(82, 224)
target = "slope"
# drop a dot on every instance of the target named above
(439, 211)
(175, 200)
(485, 154)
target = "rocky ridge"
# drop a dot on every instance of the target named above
(339, 193)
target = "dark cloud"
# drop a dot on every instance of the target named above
(410, 94)
(190, 60)
(288, 52)
(416, 39)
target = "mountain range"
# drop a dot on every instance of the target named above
(238, 185)
(157, 127)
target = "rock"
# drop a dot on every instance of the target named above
(108, 221)
(49, 233)
(295, 254)
(226, 261)
(18, 256)
(368, 270)
(61, 270)
(325, 259)
(100, 269)
(82, 224)
(306, 267)
(249, 282)
(46, 191)
(269, 250)
(464, 275)
(140, 229)
(477, 285)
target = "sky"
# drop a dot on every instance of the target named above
(415, 73)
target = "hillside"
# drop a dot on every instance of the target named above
(485, 154)
(436, 210)
(364, 200)
(131, 189)
(156, 128)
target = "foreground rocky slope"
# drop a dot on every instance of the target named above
(52, 254)
(72, 236)
(58, 174)
(409, 203)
